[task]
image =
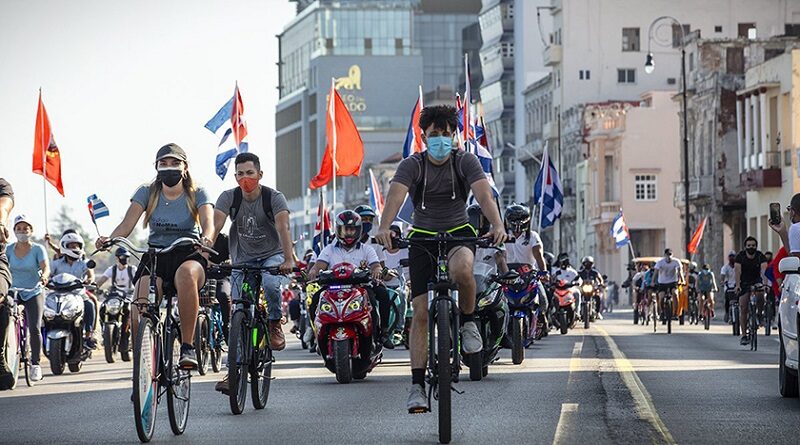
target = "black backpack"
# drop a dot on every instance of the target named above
(114, 275)
(266, 202)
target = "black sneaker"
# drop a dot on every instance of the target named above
(188, 358)
(745, 340)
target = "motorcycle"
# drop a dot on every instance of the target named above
(344, 323)
(521, 289)
(63, 323)
(308, 337)
(115, 313)
(589, 295)
(491, 317)
(566, 295)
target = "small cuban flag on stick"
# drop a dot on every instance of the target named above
(619, 231)
(229, 124)
(97, 209)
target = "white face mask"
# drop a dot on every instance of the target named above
(22, 237)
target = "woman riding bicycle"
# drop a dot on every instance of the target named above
(173, 207)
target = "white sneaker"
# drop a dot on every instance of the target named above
(36, 373)
(471, 341)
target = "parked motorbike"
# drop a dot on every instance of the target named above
(491, 317)
(567, 297)
(344, 323)
(115, 315)
(63, 323)
(520, 287)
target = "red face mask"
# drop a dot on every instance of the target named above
(248, 184)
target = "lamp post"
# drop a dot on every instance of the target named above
(649, 67)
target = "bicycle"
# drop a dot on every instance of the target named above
(733, 309)
(652, 308)
(19, 350)
(443, 327)
(666, 303)
(769, 311)
(208, 336)
(249, 355)
(157, 349)
(753, 315)
(708, 310)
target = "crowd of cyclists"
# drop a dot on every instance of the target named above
(439, 182)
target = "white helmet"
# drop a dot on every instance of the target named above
(587, 259)
(68, 239)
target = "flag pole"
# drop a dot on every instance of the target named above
(44, 160)
(332, 112)
(545, 160)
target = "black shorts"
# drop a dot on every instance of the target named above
(168, 264)
(422, 260)
(666, 287)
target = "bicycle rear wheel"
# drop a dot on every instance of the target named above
(179, 390)
(201, 344)
(261, 369)
(444, 369)
(668, 314)
(238, 359)
(145, 382)
(753, 328)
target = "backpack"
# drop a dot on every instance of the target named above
(114, 276)
(705, 280)
(455, 158)
(266, 203)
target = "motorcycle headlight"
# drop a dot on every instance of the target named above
(326, 307)
(70, 308)
(49, 313)
(485, 301)
(113, 306)
(587, 288)
(355, 305)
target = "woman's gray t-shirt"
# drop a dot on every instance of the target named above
(253, 236)
(171, 220)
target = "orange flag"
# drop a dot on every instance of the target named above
(46, 157)
(344, 143)
(697, 237)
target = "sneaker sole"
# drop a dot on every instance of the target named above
(419, 410)
(188, 366)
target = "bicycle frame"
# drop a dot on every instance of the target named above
(442, 289)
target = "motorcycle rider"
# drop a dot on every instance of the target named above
(750, 267)
(667, 276)
(592, 275)
(120, 274)
(349, 249)
(526, 249)
(438, 181)
(563, 270)
(72, 262)
(706, 286)
(6, 205)
(393, 262)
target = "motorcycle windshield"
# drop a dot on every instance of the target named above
(483, 272)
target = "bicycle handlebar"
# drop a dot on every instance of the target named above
(273, 270)
(183, 241)
(483, 242)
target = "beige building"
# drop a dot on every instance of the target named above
(631, 160)
(768, 113)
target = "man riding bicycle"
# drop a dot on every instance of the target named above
(438, 182)
(667, 276)
(706, 286)
(750, 267)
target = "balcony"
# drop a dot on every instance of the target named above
(699, 188)
(605, 212)
(552, 55)
(767, 175)
(550, 130)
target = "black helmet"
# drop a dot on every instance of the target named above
(348, 228)
(122, 252)
(563, 258)
(365, 211)
(518, 218)
(477, 220)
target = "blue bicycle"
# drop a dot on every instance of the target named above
(210, 330)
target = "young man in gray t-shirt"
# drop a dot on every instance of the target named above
(259, 235)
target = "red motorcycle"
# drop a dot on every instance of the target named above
(344, 324)
(565, 294)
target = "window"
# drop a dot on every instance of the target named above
(645, 187)
(584, 74)
(677, 35)
(508, 11)
(691, 62)
(630, 39)
(717, 28)
(507, 49)
(671, 81)
(791, 29)
(368, 46)
(744, 30)
(626, 75)
(580, 75)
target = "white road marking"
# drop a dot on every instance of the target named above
(568, 408)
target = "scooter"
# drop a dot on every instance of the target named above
(567, 297)
(521, 289)
(344, 323)
(115, 315)
(63, 323)
(491, 317)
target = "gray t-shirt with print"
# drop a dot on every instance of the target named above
(253, 236)
(445, 208)
(171, 220)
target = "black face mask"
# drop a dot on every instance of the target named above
(750, 250)
(170, 177)
(122, 260)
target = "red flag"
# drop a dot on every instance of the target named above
(697, 237)
(343, 140)
(46, 157)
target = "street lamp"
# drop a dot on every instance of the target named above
(649, 67)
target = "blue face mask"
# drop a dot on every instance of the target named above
(439, 147)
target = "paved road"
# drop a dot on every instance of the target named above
(615, 383)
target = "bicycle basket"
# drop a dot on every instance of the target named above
(208, 294)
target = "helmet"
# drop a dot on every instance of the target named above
(549, 258)
(518, 218)
(365, 211)
(477, 220)
(348, 228)
(587, 259)
(692, 266)
(68, 239)
(562, 257)
(122, 252)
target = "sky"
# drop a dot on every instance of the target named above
(120, 79)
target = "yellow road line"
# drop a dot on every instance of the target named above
(644, 402)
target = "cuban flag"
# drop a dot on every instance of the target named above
(413, 143)
(322, 230)
(619, 231)
(97, 208)
(375, 197)
(477, 145)
(229, 125)
(547, 191)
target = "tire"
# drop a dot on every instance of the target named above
(517, 349)
(787, 377)
(13, 357)
(108, 341)
(768, 312)
(216, 359)
(261, 373)
(145, 383)
(238, 358)
(179, 391)
(707, 320)
(444, 370)
(636, 315)
(57, 356)
(654, 316)
(753, 330)
(475, 364)
(735, 319)
(562, 321)
(75, 367)
(343, 363)
(125, 346)
(201, 344)
(585, 315)
(485, 370)
(668, 313)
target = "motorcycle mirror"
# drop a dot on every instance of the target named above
(91, 264)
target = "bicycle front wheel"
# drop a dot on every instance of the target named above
(145, 381)
(753, 328)
(238, 359)
(180, 385)
(444, 369)
(261, 369)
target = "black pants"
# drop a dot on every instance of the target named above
(377, 294)
(5, 319)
